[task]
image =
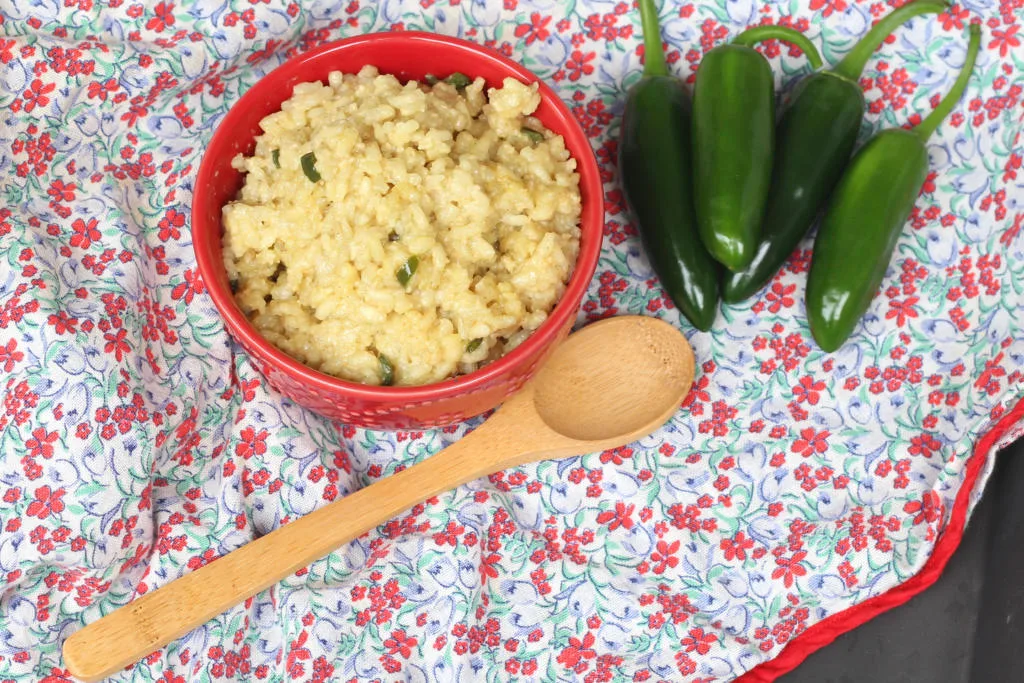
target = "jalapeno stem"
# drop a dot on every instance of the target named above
(654, 56)
(758, 34)
(852, 65)
(925, 129)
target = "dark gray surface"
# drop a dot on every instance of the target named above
(968, 627)
(999, 639)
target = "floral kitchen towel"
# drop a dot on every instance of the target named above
(794, 495)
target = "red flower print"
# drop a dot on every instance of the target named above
(1011, 233)
(192, 285)
(1003, 40)
(616, 456)
(9, 355)
(296, 654)
(46, 502)
(901, 310)
(400, 644)
(488, 567)
(116, 344)
(575, 654)
(807, 390)
(253, 443)
(450, 535)
(579, 64)
(829, 5)
(164, 17)
(621, 516)
(84, 233)
(664, 555)
(697, 392)
(102, 89)
(954, 18)
(699, 641)
(208, 556)
(5, 51)
(56, 675)
(789, 567)
(780, 297)
(61, 192)
(928, 509)
(134, 113)
(40, 443)
(535, 30)
(267, 52)
(924, 444)
(685, 664)
(36, 94)
(169, 225)
(811, 442)
(62, 322)
(992, 370)
(737, 547)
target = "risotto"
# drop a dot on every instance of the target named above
(391, 233)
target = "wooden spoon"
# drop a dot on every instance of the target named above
(606, 385)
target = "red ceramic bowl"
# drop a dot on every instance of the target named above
(407, 55)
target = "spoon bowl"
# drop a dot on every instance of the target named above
(606, 385)
(603, 402)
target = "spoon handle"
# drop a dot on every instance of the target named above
(133, 631)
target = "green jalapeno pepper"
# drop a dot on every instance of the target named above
(656, 176)
(733, 141)
(866, 213)
(816, 134)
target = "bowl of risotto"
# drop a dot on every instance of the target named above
(398, 228)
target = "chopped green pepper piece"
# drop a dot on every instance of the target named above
(474, 345)
(309, 166)
(459, 80)
(275, 156)
(408, 269)
(535, 136)
(387, 371)
(430, 79)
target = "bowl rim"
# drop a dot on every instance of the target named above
(567, 306)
